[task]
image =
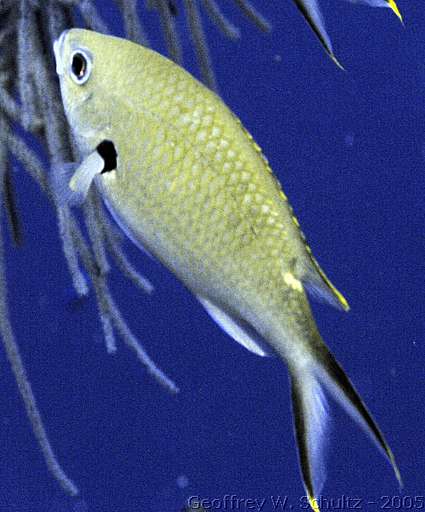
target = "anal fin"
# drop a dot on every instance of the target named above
(237, 328)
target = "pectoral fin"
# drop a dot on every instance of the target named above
(72, 181)
(237, 328)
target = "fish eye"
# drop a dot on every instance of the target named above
(80, 67)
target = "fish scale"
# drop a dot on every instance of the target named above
(188, 182)
(211, 201)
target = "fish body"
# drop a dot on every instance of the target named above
(188, 183)
(194, 189)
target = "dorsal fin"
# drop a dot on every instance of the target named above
(314, 279)
(312, 276)
(318, 284)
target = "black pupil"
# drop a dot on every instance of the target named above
(79, 65)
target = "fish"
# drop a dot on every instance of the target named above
(311, 11)
(188, 184)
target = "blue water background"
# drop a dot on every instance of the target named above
(348, 148)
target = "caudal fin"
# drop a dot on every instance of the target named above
(311, 11)
(336, 381)
(311, 417)
(310, 420)
(313, 15)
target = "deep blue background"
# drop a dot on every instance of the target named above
(348, 148)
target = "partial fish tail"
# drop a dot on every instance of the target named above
(312, 13)
(309, 381)
(310, 420)
(395, 9)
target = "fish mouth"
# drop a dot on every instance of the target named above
(58, 51)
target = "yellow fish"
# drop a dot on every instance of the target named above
(311, 11)
(187, 182)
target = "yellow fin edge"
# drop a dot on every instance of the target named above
(341, 299)
(395, 9)
(313, 504)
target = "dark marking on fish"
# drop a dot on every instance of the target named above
(107, 151)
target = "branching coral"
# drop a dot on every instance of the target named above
(31, 116)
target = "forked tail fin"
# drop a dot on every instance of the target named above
(311, 417)
(311, 11)
(310, 421)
